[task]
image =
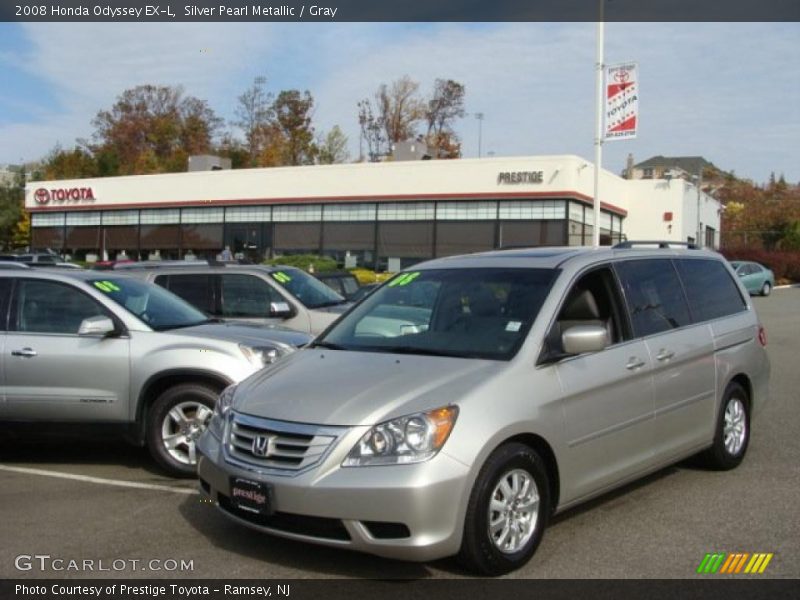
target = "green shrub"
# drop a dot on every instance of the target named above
(304, 261)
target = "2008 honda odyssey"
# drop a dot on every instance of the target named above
(465, 401)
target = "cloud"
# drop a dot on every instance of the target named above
(728, 91)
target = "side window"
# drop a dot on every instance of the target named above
(654, 294)
(5, 293)
(52, 307)
(711, 290)
(196, 289)
(247, 296)
(592, 300)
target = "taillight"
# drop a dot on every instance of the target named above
(762, 336)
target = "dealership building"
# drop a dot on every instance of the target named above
(377, 215)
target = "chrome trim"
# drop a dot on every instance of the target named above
(295, 447)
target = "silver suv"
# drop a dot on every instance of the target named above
(459, 406)
(256, 293)
(95, 347)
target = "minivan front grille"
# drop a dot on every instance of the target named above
(282, 445)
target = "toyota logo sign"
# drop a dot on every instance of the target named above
(42, 196)
(63, 195)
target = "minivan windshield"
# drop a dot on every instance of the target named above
(468, 313)
(154, 305)
(307, 289)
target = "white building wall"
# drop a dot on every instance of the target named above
(562, 176)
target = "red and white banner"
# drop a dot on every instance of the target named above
(622, 101)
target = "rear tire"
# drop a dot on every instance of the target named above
(175, 421)
(507, 511)
(732, 434)
(766, 289)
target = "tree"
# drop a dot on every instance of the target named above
(293, 111)
(153, 129)
(77, 163)
(372, 131)
(13, 218)
(445, 106)
(332, 148)
(255, 115)
(400, 109)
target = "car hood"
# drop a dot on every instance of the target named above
(335, 387)
(243, 332)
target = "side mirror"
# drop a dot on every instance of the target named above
(280, 310)
(98, 326)
(580, 339)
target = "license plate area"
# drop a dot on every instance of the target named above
(252, 496)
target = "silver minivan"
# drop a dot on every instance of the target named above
(468, 399)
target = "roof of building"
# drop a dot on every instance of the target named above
(690, 164)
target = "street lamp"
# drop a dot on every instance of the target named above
(479, 116)
(698, 179)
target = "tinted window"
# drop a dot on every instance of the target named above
(711, 290)
(5, 291)
(247, 296)
(196, 289)
(154, 305)
(50, 307)
(654, 295)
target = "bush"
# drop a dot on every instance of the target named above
(365, 276)
(784, 263)
(304, 261)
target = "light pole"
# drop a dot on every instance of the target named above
(479, 116)
(699, 183)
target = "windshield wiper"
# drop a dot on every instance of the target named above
(414, 350)
(328, 345)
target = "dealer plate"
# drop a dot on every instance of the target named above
(252, 496)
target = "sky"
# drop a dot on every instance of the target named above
(729, 92)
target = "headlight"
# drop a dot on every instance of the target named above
(261, 356)
(410, 439)
(217, 424)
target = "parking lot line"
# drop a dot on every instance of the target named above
(98, 480)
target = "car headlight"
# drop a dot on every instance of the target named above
(261, 356)
(409, 439)
(217, 424)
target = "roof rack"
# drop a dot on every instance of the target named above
(659, 243)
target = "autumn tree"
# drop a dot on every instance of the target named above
(77, 163)
(397, 110)
(293, 111)
(332, 148)
(444, 107)
(255, 116)
(153, 129)
(12, 213)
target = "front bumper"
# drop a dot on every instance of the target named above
(408, 512)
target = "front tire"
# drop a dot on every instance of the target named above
(732, 435)
(766, 289)
(175, 421)
(507, 511)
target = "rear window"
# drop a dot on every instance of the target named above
(196, 289)
(711, 290)
(654, 296)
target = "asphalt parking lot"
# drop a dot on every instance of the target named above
(107, 502)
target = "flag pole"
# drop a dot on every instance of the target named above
(598, 140)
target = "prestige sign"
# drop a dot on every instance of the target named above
(43, 196)
(516, 177)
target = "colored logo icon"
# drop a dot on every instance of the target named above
(734, 563)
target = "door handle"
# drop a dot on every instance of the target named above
(25, 353)
(634, 363)
(664, 355)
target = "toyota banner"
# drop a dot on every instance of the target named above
(622, 101)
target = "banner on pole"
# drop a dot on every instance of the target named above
(622, 101)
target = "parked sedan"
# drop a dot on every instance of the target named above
(756, 278)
